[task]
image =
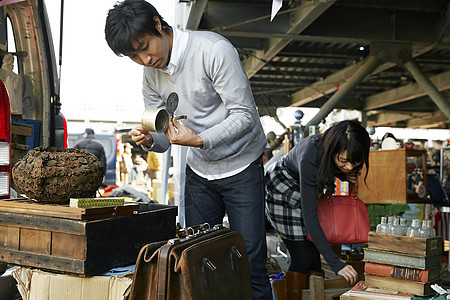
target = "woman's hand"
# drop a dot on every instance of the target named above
(353, 176)
(141, 136)
(349, 274)
(180, 135)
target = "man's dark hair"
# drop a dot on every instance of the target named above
(89, 131)
(127, 22)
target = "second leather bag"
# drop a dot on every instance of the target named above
(205, 264)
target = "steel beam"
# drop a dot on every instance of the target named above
(369, 65)
(429, 87)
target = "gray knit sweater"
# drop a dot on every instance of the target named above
(215, 95)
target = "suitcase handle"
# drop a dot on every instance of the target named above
(207, 268)
(234, 253)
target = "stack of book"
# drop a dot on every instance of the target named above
(403, 264)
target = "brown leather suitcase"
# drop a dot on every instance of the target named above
(202, 263)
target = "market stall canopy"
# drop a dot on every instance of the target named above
(387, 58)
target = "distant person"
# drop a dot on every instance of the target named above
(89, 143)
(153, 165)
(274, 143)
(127, 162)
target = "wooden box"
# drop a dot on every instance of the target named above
(387, 177)
(79, 246)
(405, 244)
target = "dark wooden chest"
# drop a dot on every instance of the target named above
(80, 246)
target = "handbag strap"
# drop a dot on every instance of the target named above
(353, 189)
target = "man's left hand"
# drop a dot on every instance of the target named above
(180, 135)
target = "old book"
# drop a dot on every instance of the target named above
(401, 285)
(362, 291)
(405, 244)
(401, 259)
(402, 272)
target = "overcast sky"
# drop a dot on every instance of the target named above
(95, 83)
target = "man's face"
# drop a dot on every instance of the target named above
(153, 51)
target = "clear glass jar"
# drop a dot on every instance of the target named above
(403, 226)
(390, 222)
(413, 230)
(423, 231)
(382, 227)
(395, 228)
(430, 229)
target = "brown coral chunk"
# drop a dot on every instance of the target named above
(54, 175)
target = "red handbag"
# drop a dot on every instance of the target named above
(344, 219)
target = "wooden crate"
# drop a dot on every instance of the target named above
(405, 244)
(386, 180)
(82, 247)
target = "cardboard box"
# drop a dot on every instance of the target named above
(36, 285)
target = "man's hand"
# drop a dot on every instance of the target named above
(180, 135)
(141, 136)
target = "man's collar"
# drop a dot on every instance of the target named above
(180, 39)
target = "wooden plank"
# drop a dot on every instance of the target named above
(9, 237)
(386, 180)
(31, 211)
(316, 288)
(68, 245)
(43, 223)
(35, 241)
(27, 206)
(21, 129)
(44, 262)
(405, 244)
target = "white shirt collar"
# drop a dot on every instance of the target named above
(180, 39)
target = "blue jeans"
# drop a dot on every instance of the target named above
(242, 197)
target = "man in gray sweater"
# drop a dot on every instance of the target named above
(224, 170)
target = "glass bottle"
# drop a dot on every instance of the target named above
(423, 231)
(382, 227)
(390, 221)
(395, 228)
(403, 225)
(413, 230)
(430, 229)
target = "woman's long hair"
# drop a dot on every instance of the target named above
(341, 136)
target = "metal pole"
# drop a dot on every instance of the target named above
(429, 87)
(165, 176)
(368, 67)
(179, 164)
